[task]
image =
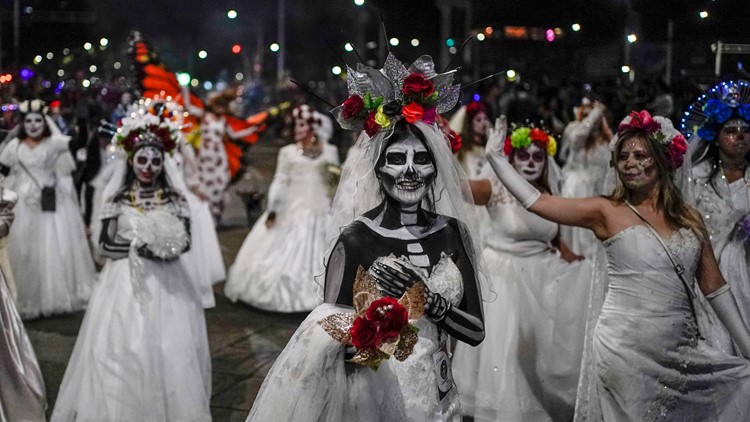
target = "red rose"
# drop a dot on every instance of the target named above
(390, 315)
(456, 141)
(371, 126)
(365, 334)
(412, 112)
(417, 84)
(538, 135)
(352, 106)
(507, 146)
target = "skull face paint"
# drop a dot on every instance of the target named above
(636, 165)
(408, 171)
(148, 163)
(529, 162)
(734, 139)
(33, 124)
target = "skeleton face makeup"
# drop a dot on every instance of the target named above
(302, 130)
(479, 123)
(734, 138)
(636, 165)
(529, 162)
(148, 163)
(33, 124)
(408, 171)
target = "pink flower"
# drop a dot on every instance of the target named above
(640, 120)
(429, 115)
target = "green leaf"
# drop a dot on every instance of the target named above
(378, 101)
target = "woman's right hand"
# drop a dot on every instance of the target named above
(496, 138)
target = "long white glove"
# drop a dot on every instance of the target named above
(524, 191)
(725, 306)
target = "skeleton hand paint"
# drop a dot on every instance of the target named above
(408, 171)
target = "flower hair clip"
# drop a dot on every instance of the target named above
(378, 98)
(523, 136)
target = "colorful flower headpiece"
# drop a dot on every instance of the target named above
(378, 98)
(660, 129)
(725, 101)
(154, 123)
(523, 136)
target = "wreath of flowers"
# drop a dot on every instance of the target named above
(717, 113)
(523, 136)
(419, 101)
(661, 129)
(144, 127)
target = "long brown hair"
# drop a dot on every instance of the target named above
(669, 198)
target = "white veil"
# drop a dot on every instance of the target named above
(359, 191)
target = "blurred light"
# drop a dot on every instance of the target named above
(453, 50)
(60, 73)
(202, 54)
(103, 42)
(236, 49)
(511, 74)
(703, 14)
(86, 83)
(336, 70)
(558, 31)
(87, 46)
(489, 30)
(414, 42)
(194, 82)
(239, 76)
(550, 35)
(371, 45)
(450, 42)
(207, 85)
(37, 59)
(50, 56)
(45, 84)
(625, 69)
(632, 38)
(480, 37)
(183, 78)
(274, 47)
(66, 51)
(575, 27)
(25, 73)
(348, 47)
(476, 97)
(232, 14)
(28, 10)
(92, 68)
(359, 2)
(117, 65)
(393, 41)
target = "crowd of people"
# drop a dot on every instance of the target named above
(520, 257)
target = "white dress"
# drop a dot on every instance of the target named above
(49, 252)
(583, 177)
(650, 362)
(527, 367)
(276, 269)
(722, 205)
(139, 357)
(311, 382)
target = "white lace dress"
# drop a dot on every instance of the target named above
(311, 382)
(527, 367)
(49, 251)
(276, 268)
(722, 205)
(649, 361)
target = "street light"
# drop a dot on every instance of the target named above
(92, 68)
(511, 74)
(575, 27)
(632, 38)
(103, 42)
(348, 47)
(414, 42)
(359, 2)
(50, 56)
(183, 78)
(703, 14)
(393, 41)
(37, 59)
(480, 37)
(117, 65)
(87, 46)
(274, 47)
(625, 69)
(232, 14)
(236, 49)
(202, 54)
(336, 70)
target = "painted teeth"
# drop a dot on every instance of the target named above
(406, 184)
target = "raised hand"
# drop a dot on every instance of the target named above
(496, 137)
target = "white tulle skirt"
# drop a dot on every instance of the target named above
(276, 269)
(139, 360)
(204, 258)
(528, 365)
(50, 255)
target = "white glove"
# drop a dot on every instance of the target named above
(725, 306)
(524, 191)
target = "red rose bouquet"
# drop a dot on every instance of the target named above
(380, 327)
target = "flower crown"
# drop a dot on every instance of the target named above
(713, 109)
(523, 136)
(149, 123)
(378, 98)
(661, 129)
(33, 106)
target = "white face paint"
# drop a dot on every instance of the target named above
(529, 162)
(408, 171)
(34, 125)
(148, 163)
(302, 130)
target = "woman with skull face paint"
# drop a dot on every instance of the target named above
(142, 351)
(653, 349)
(403, 220)
(718, 126)
(48, 249)
(472, 126)
(527, 368)
(277, 264)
